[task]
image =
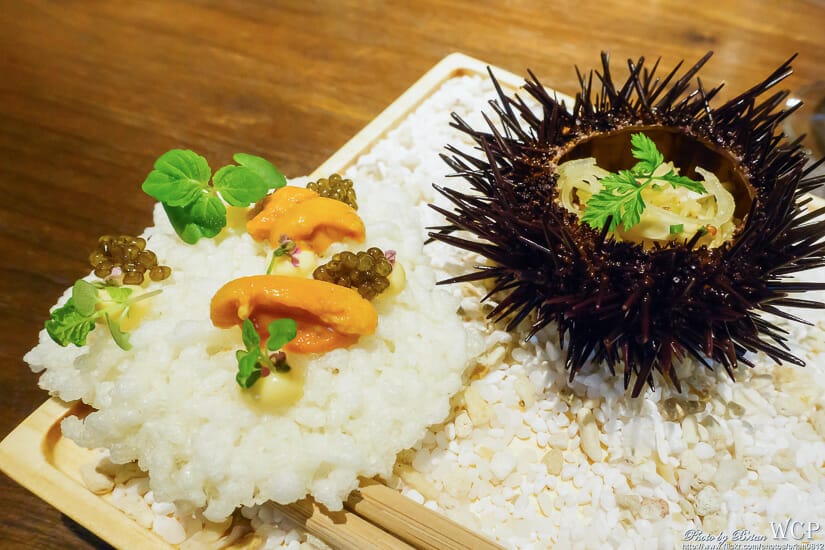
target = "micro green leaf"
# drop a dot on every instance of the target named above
(180, 181)
(178, 178)
(250, 336)
(191, 226)
(118, 293)
(71, 324)
(68, 326)
(273, 178)
(252, 361)
(183, 224)
(209, 212)
(677, 229)
(249, 360)
(84, 297)
(249, 369)
(121, 338)
(281, 332)
(239, 186)
(683, 181)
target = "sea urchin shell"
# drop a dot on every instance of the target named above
(620, 302)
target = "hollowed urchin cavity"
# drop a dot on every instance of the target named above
(612, 152)
(618, 302)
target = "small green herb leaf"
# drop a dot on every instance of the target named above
(683, 181)
(84, 297)
(209, 212)
(281, 332)
(68, 326)
(118, 294)
(72, 323)
(644, 149)
(677, 229)
(249, 370)
(121, 338)
(189, 227)
(273, 178)
(178, 178)
(250, 336)
(239, 186)
(252, 360)
(180, 181)
(620, 199)
(249, 360)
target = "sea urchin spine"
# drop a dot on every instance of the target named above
(620, 302)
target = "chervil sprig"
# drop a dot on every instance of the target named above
(195, 206)
(620, 200)
(253, 363)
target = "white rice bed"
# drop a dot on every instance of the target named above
(531, 461)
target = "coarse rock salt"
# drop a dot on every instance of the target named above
(703, 451)
(728, 474)
(169, 528)
(554, 461)
(95, 481)
(131, 502)
(707, 501)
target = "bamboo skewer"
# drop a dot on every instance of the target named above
(412, 522)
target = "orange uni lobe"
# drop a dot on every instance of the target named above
(312, 221)
(328, 316)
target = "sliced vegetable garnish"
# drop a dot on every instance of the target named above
(72, 323)
(253, 363)
(620, 199)
(195, 206)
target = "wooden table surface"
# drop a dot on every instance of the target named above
(91, 92)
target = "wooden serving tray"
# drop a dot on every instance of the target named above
(38, 457)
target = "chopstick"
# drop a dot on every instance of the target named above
(342, 530)
(411, 522)
(377, 517)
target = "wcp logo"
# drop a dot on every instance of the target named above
(796, 530)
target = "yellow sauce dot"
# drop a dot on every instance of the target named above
(134, 315)
(307, 262)
(276, 391)
(397, 278)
